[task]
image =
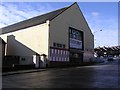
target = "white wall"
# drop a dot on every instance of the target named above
(1, 52)
(27, 42)
(72, 17)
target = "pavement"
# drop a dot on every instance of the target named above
(39, 70)
(29, 71)
(22, 71)
(94, 77)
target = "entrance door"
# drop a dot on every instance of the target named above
(76, 58)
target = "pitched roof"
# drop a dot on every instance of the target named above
(32, 21)
(108, 48)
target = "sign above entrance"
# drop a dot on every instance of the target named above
(75, 38)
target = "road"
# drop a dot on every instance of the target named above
(96, 76)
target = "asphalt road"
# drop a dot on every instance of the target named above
(96, 76)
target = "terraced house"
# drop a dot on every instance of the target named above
(56, 38)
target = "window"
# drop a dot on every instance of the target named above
(64, 52)
(55, 51)
(58, 51)
(61, 58)
(50, 58)
(75, 34)
(53, 58)
(65, 59)
(61, 52)
(56, 58)
(76, 38)
(54, 44)
(23, 59)
(58, 45)
(63, 45)
(52, 51)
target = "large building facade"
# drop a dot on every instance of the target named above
(63, 36)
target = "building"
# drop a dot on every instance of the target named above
(56, 38)
(106, 51)
(2, 49)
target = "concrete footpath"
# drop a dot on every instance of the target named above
(31, 70)
(39, 70)
(22, 71)
(35, 70)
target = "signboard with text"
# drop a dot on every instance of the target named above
(76, 38)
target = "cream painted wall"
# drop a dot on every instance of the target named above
(71, 17)
(1, 52)
(38, 39)
(28, 42)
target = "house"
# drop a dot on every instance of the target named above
(108, 51)
(2, 49)
(56, 38)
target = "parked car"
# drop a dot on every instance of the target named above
(110, 58)
(99, 60)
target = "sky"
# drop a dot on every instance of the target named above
(102, 17)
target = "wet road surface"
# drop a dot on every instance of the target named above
(96, 76)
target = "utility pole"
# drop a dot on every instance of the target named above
(94, 36)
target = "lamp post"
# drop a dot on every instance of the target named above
(96, 31)
(94, 35)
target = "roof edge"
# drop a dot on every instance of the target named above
(32, 18)
(84, 17)
(64, 10)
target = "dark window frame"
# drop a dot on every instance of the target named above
(82, 37)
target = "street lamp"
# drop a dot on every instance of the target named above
(95, 33)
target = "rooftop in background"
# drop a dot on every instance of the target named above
(108, 48)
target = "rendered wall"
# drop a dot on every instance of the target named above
(72, 17)
(27, 42)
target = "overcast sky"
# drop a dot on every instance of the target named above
(100, 16)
